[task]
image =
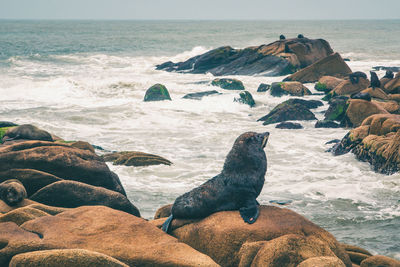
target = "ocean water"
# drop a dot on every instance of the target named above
(85, 80)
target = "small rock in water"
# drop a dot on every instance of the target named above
(289, 125)
(228, 84)
(246, 98)
(200, 95)
(326, 124)
(157, 92)
(334, 141)
(281, 202)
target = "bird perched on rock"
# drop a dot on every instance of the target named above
(375, 83)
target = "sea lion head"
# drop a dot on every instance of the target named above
(12, 192)
(247, 152)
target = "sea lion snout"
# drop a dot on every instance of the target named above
(265, 137)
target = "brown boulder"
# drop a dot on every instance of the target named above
(33, 180)
(82, 145)
(392, 86)
(332, 65)
(348, 88)
(60, 160)
(64, 258)
(127, 238)
(133, 158)
(72, 194)
(295, 88)
(324, 261)
(327, 83)
(384, 81)
(390, 106)
(395, 97)
(21, 215)
(376, 141)
(223, 234)
(380, 261)
(358, 110)
(4, 208)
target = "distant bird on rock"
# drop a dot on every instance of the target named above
(375, 83)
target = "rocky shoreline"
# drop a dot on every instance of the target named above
(62, 206)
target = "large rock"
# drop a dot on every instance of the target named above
(279, 237)
(348, 88)
(324, 261)
(332, 65)
(358, 110)
(377, 93)
(287, 111)
(157, 92)
(289, 88)
(60, 160)
(22, 215)
(278, 58)
(64, 258)
(127, 238)
(376, 141)
(392, 86)
(327, 83)
(380, 261)
(72, 194)
(134, 158)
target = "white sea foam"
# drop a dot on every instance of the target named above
(99, 98)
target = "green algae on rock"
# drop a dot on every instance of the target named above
(157, 92)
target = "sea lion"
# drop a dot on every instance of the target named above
(355, 76)
(389, 74)
(282, 37)
(359, 95)
(374, 80)
(300, 36)
(27, 131)
(235, 188)
(12, 192)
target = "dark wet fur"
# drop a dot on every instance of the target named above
(235, 188)
(355, 76)
(375, 83)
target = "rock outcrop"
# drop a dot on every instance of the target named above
(327, 83)
(377, 141)
(124, 237)
(292, 109)
(279, 237)
(228, 84)
(278, 58)
(60, 160)
(332, 65)
(200, 95)
(246, 98)
(134, 158)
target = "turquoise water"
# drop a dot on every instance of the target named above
(85, 80)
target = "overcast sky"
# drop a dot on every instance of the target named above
(204, 9)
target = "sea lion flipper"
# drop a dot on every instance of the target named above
(165, 226)
(250, 212)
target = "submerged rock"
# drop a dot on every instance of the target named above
(278, 58)
(289, 88)
(332, 65)
(246, 98)
(157, 92)
(326, 124)
(200, 95)
(288, 111)
(289, 125)
(228, 84)
(263, 87)
(134, 158)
